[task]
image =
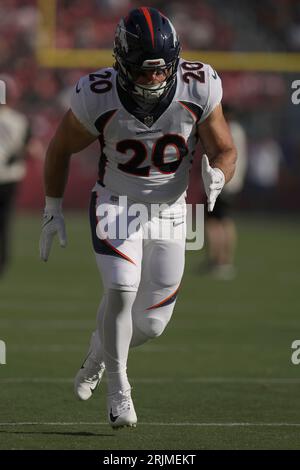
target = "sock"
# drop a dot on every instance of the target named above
(97, 341)
(117, 330)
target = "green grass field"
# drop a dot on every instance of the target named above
(220, 377)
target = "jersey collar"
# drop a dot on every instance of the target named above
(148, 118)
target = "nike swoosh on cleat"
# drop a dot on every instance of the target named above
(112, 417)
(77, 89)
(214, 75)
(93, 389)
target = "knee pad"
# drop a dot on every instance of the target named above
(151, 327)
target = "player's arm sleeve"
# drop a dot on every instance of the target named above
(80, 105)
(215, 93)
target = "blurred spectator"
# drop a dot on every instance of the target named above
(221, 233)
(265, 159)
(14, 135)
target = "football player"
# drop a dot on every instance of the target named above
(148, 113)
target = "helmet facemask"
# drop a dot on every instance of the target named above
(150, 93)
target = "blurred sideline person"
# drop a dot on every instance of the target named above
(265, 160)
(14, 135)
(147, 112)
(220, 227)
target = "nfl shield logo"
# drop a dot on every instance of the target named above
(148, 120)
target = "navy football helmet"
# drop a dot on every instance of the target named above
(146, 40)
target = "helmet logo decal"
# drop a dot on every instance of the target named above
(122, 35)
(174, 32)
(147, 15)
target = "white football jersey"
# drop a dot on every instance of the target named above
(147, 155)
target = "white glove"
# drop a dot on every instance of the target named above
(53, 223)
(214, 180)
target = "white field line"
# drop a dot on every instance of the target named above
(47, 324)
(58, 348)
(157, 380)
(81, 423)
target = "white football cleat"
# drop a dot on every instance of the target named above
(90, 374)
(88, 378)
(121, 412)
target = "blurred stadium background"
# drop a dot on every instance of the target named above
(239, 348)
(47, 45)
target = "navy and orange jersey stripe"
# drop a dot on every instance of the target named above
(100, 125)
(193, 108)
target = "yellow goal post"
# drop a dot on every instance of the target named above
(50, 56)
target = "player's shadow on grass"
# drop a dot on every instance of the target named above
(61, 433)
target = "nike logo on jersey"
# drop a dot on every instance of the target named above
(214, 75)
(154, 131)
(77, 89)
(177, 223)
(112, 417)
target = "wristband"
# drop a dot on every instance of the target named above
(53, 204)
